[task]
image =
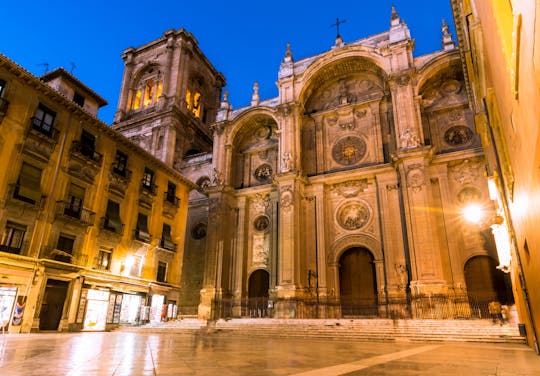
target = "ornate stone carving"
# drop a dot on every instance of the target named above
(350, 188)
(198, 231)
(286, 197)
(260, 252)
(261, 202)
(287, 163)
(456, 115)
(218, 128)
(469, 194)
(359, 114)
(353, 215)
(349, 150)
(458, 135)
(263, 155)
(403, 80)
(261, 223)
(391, 187)
(263, 173)
(214, 210)
(218, 177)
(409, 139)
(466, 172)
(416, 178)
(402, 277)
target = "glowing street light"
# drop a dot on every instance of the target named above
(473, 213)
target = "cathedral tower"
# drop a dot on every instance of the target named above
(170, 94)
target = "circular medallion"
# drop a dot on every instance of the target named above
(263, 173)
(353, 216)
(458, 135)
(349, 150)
(468, 195)
(261, 223)
(203, 182)
(198, 231)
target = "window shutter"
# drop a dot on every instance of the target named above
(113, 215)
(142, 223)
(30, 182)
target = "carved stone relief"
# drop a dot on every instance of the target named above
(198, 231)
(466, 172)
(286, 198)
(416, 178)
(350, 188)
(261, 223)
(349, 150)
(261, 202)
(353, 215)
(458, 135)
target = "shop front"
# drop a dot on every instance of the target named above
(8, 295)
(97, 304)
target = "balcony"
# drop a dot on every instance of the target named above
(67, 257)
(146, 195)
(85, 162)
(171, 203)
(119, 181)
(39, 142)
(142, 236)
(9, 249)
(167, 245)
(77, 215)
(4, 104)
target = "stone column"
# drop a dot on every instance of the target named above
(392, 240)
(126, 85)
(426, 264)
(239, 257)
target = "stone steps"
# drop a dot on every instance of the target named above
(353, 329)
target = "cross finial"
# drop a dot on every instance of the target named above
(336, 25)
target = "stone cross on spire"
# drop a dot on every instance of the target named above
(339, 40)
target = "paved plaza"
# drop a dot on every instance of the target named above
(124, 353)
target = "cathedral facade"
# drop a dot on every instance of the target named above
(341, 197)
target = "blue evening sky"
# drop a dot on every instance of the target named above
(245, 40)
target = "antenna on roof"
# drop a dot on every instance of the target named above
(72, 67)
(45, 65)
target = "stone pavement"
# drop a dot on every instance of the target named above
(124, 353)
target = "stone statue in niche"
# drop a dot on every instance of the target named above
(402, 277)
(409, 139)
(287, 162)
(218, 177)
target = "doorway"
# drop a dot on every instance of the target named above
(259, 284)
(485, 283)
(357, 283)
(53, 304)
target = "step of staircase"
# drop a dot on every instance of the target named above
(348, 329)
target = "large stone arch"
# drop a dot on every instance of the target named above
(335, 64)
(355, 240)
(435, 66)
(254, 149)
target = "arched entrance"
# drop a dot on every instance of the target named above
(357, 283)
(485, 283)
(259, 284)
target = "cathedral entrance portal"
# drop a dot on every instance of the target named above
(357, 283)
(485, 283)
(259, 284)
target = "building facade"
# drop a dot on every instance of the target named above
(341, 197)
(91, 225)
(500, 43)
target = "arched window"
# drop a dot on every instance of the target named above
(147, 89)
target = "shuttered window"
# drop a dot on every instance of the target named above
(29, 184)
(112, 218)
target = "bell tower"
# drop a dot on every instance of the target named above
(169, 96)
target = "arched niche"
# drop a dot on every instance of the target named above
(345, 116)
(446, 118)
(255, 152)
